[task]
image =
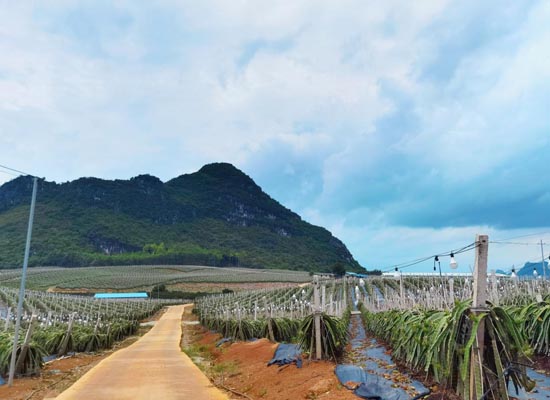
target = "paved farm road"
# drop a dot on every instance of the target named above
(152, 368)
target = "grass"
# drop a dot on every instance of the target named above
(196, 350)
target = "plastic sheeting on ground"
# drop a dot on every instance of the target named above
(287, 354)
(222, 341)
(49, 358)
(370, 386)
(541, 391)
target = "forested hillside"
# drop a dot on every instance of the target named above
(215, 216)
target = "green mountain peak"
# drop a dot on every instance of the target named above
(215, 216)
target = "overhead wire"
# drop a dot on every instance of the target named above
(16, 170)
(519, 243)
(411, 263)
(522, 236)
(9, 173)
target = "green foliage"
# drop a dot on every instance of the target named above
(338, 269)
(441, 342)
(33, 359)
(534, 319)
(334, 335)
(217, 216)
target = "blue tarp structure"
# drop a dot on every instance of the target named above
(287, 354)
(370, 386)
(136, 295)
(2, 381)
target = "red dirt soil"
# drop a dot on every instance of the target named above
(315, 380)
(54, 378)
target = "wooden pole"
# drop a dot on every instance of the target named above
(65, 342)
(451, 292)
(401, 291)
(269, 326)
(8, 316)
(25, 347)
(323, 297)
(317, 316)
(479, 306)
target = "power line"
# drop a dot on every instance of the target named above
(9, 173)
(522, 236)
(16, 170)
(518, 243)
(411, 263)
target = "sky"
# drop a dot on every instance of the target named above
(405, 128)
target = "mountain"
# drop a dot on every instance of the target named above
(215, 216)
(502, 272)
(529, 268)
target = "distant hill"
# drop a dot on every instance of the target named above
(528, 269)
(215, 216)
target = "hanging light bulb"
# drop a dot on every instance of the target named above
(396, 273)
(453, 264)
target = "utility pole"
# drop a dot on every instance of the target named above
(542, 257)
(479, 306)
(22, 287)
(317, 318)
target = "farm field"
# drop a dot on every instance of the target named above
(60, 321)
(57, 375)
(418, 321)
(426, 324)
(143, 277)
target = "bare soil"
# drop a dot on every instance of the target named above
(241, 369)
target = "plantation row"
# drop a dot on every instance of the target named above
(59, 324)
(130, 277)
(283, 315)
(52, 307)
(379, 294)
(428, 322)
(282, 303)
(439, 343)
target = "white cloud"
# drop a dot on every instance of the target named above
(306, 82)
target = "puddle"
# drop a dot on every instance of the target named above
(365, 293)
(541, 391)
(376, 361)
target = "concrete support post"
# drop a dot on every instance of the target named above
(479, 306)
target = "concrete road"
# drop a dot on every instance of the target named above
(153, 368)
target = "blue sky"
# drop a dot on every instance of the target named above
(403, 127)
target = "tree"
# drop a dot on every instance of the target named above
(338, 269)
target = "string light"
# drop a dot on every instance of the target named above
(453, 264)
(404, 265)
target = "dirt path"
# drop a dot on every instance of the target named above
(152, 368)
